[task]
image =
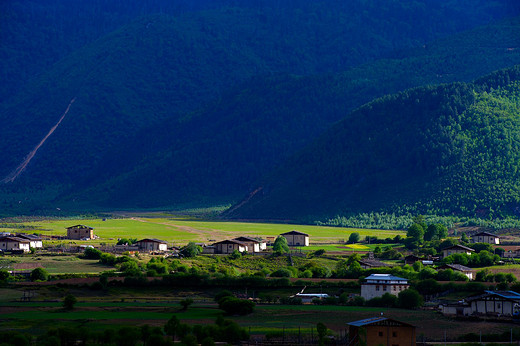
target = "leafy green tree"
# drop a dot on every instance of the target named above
(280, 245)
(235, 306)
(435, 231)
(410, 299)
(4, 275)
(185, 303)
(322, 332)
(92, 253)
(191, 250)
(171, 327)
(39, 274)
(416, 232)
(354, 238)
(69, 301)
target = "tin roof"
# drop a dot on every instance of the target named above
(374, 320)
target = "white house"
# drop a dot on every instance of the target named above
(376, 285)
(493, 303)
(10, 243)
(456, 249)
(34, 240)
(460, 268)
(230, 245)
(151, 244)
(485, 237)
(253, 245)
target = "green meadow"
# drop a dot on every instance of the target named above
(181, 231)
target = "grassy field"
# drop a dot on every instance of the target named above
(265, 319)
(179, 231)
(56, 264)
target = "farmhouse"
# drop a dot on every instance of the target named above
(376, 285)
(150, 244)
(228, 246)
(35, 241)
(493, 303)
(460, 268)
(371, 262)
(456, 249)
(377, 331)
(253, 245)
(295, 238)
(11, 243)
(78, 232)
(485, 237)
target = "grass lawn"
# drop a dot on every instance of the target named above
(58, 264)
(181, 231)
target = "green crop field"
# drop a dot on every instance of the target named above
(180, 231)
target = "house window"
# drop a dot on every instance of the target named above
(394, 334)
(380, 334)
(498, 306)
(377, 287)
(384, 288)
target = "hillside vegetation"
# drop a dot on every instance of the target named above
(444, 149)
(192, 102)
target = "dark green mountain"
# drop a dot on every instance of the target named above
(198, 102)
(218, 153)
(452, 148)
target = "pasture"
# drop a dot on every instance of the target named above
(266, 318)
(181, 231)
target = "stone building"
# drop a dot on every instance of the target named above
(295, 238)
(376, 285)
(377, 331)
(79, 232)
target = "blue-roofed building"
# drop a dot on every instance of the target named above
(490, 303)
(381, 331)
(376, 285)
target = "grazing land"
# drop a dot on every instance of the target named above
(182, 231)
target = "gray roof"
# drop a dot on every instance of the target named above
(242, 239)
(458, 267)
(294, 233)
(153, 240)
(485, 233)
(459, 246)
(16, 239)
(232, 241)
(386, 277)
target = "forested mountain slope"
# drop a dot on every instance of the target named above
(218, 153)
(444, 149)
(144, 80)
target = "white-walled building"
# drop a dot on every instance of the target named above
(253, 245)
(34, 240)
(456, 249)
(230, 245)
(11, 243)
(485, 237)
(376, 285)
(150, 244)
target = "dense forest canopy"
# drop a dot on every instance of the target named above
(447, 149)
(191, 102)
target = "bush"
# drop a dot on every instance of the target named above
(235, 306)
(91, 253)
(281, 273)
(39, 274)
(69, 301)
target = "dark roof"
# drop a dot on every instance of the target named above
(247, 239)
(294, 233)
(12, 238)
(29, 236)
(80, 226)
(458, 267)
(232, 241)
(486, 233)
(152, 240)
(373, 263)
(376, 320)
(459, 246)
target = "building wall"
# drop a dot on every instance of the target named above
(369, 291)
(446, 253)
(227, 248)
(384, 335)
(8, 245)
(502, 307)
(297, 239)
(486, 239)
(79, 233)
(152, 246)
